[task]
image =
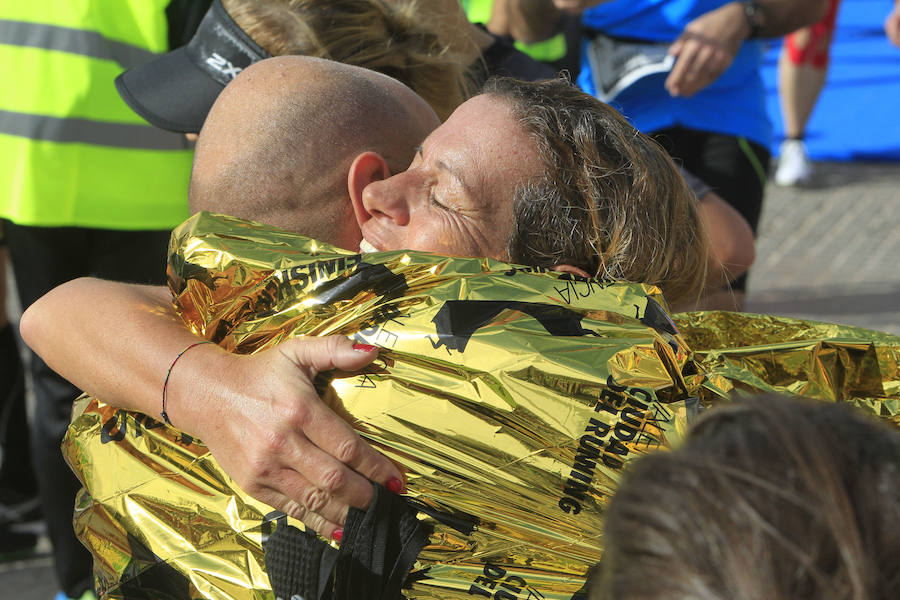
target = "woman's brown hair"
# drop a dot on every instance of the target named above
(769, 498)
(610, 200)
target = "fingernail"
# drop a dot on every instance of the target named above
(337, 535)
(395, 486)
(364, 347)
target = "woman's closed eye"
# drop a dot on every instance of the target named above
(433, 199)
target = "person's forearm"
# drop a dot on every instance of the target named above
(113, 340)
(259, 414)
(780, 17)
(532, 20)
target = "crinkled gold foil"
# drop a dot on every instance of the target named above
(513, 399)
(747, 354)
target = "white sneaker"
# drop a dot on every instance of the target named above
(794, 166)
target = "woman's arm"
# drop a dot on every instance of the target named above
(259, 415)
(731, 245)
(93, 332)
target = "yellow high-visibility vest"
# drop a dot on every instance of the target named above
(72, 152)
(479, 11)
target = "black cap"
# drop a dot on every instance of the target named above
(176, 90)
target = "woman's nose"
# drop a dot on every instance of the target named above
(388, 199)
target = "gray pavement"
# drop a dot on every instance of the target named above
(828, 253)
(831, 252)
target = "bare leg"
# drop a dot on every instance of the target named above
(799, 86)
(802, 69)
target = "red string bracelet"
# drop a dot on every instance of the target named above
(164, 414)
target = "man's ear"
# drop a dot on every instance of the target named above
(365, 168)
(571, 269)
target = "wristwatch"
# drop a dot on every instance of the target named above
(755, 18)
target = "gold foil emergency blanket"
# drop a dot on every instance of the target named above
(512, 398)
(748, 354)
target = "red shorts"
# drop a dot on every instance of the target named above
(815, 50)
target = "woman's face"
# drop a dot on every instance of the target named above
(456, 198)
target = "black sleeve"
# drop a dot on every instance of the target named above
(184, 17)
(503, 59)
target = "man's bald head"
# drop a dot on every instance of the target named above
(278, 143)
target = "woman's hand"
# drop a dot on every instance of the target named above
(259, 415)
(266, 425)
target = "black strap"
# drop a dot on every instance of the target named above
(296, 562)
(378, 550)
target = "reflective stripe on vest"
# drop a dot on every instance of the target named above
(86, 131)
(478, 11)
(73, 41)
(549, 50)
(74, 154)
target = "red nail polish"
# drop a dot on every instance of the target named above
(364, 347)
(395, 486)
(337, 535)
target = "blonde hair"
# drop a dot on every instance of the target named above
(393, 38)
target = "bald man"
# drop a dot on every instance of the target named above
(280, 146)
(263, 153)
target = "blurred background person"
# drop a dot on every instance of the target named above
(802, 69)
(802, 73)
(19, 502)
(769, 497)
(87, 188)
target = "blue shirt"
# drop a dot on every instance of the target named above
(734, 104)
